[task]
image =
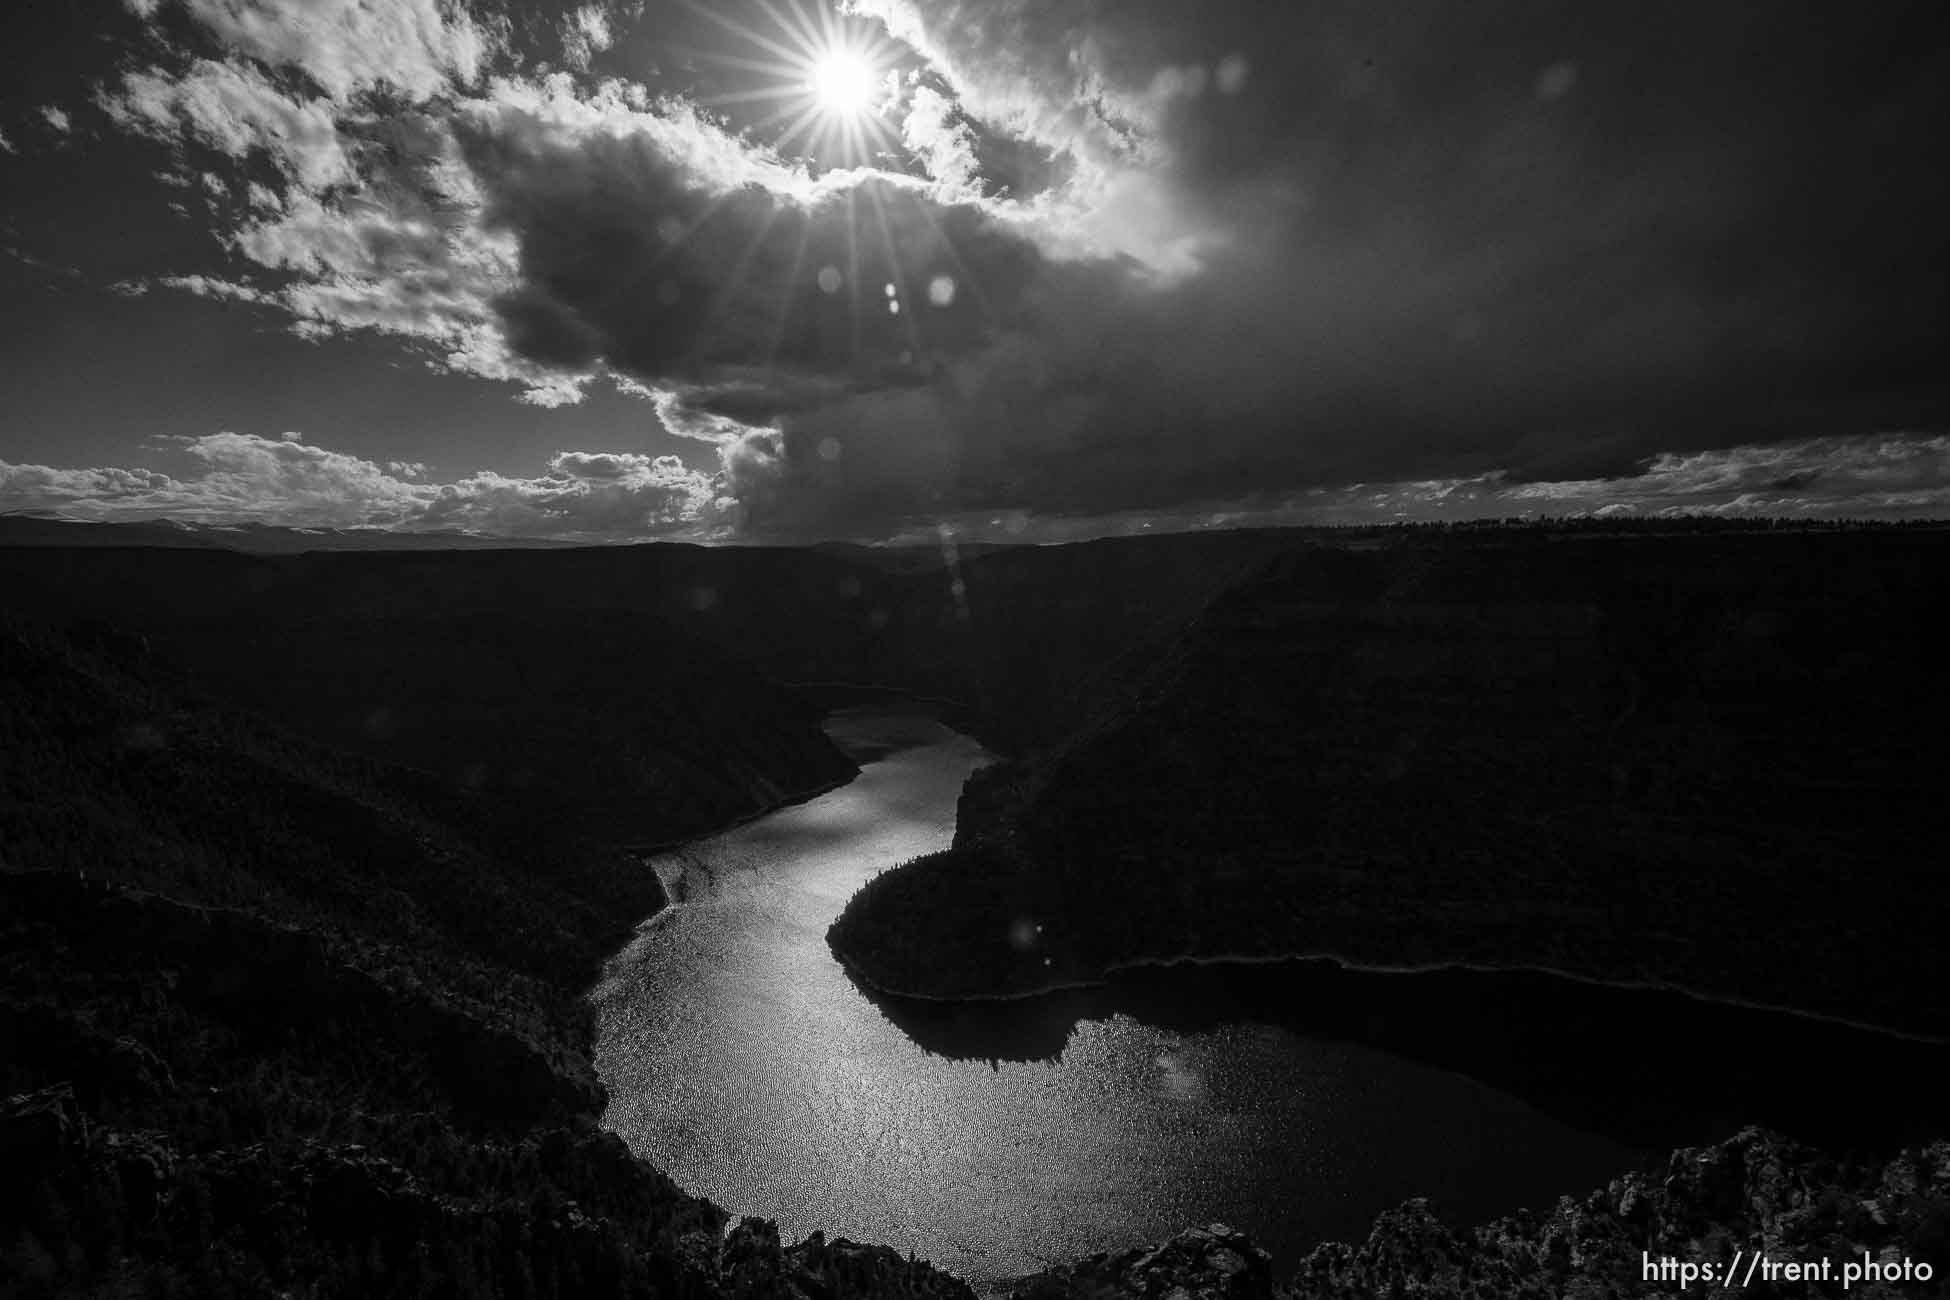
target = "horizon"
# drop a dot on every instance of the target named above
(945, 538)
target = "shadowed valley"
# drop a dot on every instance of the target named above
(311, 859)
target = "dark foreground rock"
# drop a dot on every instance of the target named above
(753, 1263)
(1214, 1261)
(563, 1212)
(1755, 1192)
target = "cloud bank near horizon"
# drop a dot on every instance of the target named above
(234, 478)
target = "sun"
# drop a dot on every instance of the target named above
(829, 73)
(843, 82)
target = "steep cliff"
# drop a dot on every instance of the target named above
(1700, 761)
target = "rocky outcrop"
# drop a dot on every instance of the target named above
(1211, 1263)
(752, 1263)
(1756, 1192)
(38, 1126)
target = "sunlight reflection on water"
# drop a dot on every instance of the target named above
(742, 1060)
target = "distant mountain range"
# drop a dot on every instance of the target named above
(18, 529)
(1030, 638)
(257, 539)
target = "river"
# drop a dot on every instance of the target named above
(1293, 1101)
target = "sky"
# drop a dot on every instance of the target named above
(792, 270)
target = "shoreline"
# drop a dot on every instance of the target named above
(1292, 1273)
(793, 800)
(957, 715)
(645, 854)
(1351, 966)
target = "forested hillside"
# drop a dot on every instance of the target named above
(275, 1019)
(1703, 760)
(1032, 640)
(611, 717)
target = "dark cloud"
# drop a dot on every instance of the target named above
(1122, 261)
(1547, 240)
(632, 257)
(1433, 240)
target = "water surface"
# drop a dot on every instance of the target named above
(1296, 1101)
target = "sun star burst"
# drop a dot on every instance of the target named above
(825, 73)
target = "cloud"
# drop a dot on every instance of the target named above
(886, 456)
(1884, 476)
(237, 478)
(1876, 474)
(374, 225)
(658, 247)
(403, 262)
(945, 146)
(487, 225)
(1274, 250)
(545, 232)
(584, 495)
(244, 474)
(585, 34)
(1034, 69)
(204, 286)
(418, 48)
(235, 109)
(1400, 246)
(804, 484)
(42, 265)
(233, 477)
(43, 487)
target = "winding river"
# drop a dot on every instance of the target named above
(1295, 1101)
